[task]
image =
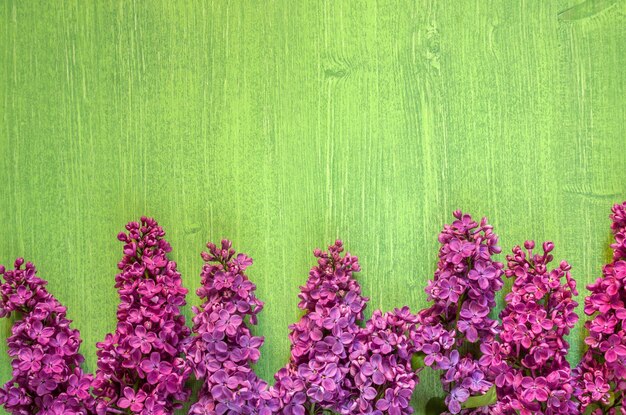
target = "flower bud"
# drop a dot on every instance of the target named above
(548, 246)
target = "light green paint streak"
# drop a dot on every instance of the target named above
(284, 125)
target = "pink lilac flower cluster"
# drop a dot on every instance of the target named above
(47, 378)
(223, 349)
(315, 378)
(528, 362)
(380, 371)
(601, 374)
(463, 291)
(140, 366)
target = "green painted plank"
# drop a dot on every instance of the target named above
(285, 125)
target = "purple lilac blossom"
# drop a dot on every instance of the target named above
(140, 366)
(381, 375)
(601, 374)
(223, 348)
(47, 378)
(463, 293)
(528, 362)
(315, 377)
(336, 365)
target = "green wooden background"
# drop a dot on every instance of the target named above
(284, 125)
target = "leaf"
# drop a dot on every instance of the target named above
(488, 398)
(591, 408)
(417, 361)
(611, 399)
(435, 406)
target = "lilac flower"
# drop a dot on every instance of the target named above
(228, 323)
(601, 374)
(380, 366)
(223, 349)
(155, 369)
(319, 360)
(463, 293)
(534, 389)
(133, 401)
(47, 378)
(140, 366)
(335, 364)
(143, 339)
(457, 396)
(528, 362)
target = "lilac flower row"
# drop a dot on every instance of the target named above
(339, 362)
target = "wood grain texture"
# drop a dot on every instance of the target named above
(285, 125)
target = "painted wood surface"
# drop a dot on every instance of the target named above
(285, 125)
